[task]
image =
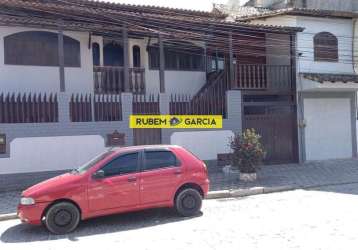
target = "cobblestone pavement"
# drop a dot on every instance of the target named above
(310, 174)
(9, 201)
(322, 218)
(306, 175)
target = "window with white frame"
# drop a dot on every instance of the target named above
(325, 47)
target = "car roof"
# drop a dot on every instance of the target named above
(142, 147)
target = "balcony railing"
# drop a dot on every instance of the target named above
(110, 80)
(263, 77)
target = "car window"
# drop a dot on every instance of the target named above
(93, 162)
(159, 159)
(124, 164)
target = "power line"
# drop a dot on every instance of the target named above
(220, 41)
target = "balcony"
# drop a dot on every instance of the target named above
(263, 77)
(110, 80)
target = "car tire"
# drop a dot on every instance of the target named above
(62, 218)
(188, 202)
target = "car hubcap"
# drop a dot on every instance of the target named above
(63, 218)
(189, 202)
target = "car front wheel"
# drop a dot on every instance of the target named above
(62, 218)
(188, 202)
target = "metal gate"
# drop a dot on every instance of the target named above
(276, 123)
(146, 105)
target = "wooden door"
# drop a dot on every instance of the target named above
(146, 105)
(277, 128)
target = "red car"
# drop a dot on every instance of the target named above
(119, 180)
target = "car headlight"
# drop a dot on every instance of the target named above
(27, 201)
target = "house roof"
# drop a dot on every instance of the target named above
(247, 13)
(333, 78)
(111, 16)
(239, 11)
(147, 8)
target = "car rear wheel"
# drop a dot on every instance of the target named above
(188, 202)
(62, 218)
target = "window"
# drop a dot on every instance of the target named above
(113, 54)
(94, 161)
(136, 56)
(178, 55)
(325, 47)
(124, 164)
(159, 159)
(96, 54)
(2, 144)
(217, 61)
(39, 48)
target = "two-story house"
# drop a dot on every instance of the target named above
(72, 72)
(327, 80)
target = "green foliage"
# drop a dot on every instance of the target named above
(248, 152)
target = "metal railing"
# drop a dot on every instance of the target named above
(28, 108)
(106, 108)
(110, 80)
(263, 77)
(210, 100)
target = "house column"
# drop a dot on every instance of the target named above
(161, 64)
(61, 59)
(231, 62)
(234, 117)
(205, 57)
(126, 59)
(216, 60)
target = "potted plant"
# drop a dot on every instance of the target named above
(248, 154)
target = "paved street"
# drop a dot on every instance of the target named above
(325, 218)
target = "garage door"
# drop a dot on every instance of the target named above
(328, 133)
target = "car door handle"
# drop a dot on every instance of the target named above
(132, 179)
(178, 172)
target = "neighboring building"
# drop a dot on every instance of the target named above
(327, 81)
(72, 73)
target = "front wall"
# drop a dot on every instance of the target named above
(177, 82)
(46, 79)
(341, 28)
(16, 78)
(204, 144)
(328, 132)
(37, 154)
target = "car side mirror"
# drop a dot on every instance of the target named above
(98, 175)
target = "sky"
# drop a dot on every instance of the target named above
(205, 5)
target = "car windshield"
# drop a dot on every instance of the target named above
(92, 162)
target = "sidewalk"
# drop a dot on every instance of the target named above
(270, 179)
(318, 173)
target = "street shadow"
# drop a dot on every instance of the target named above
(102, 225)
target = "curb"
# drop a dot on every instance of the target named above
(4, 217)
(248, 192)
(267, 190)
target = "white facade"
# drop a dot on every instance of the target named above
(341, 28)
(327, 129)
(39, 154)
(42, 79)
(204, 144)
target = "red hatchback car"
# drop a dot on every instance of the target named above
(119, 180)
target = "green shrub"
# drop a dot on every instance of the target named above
(248, 152)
